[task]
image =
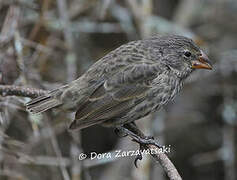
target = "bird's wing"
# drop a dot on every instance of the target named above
(115, 96)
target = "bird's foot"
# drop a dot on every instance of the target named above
(143, 142)
(147, 140)
(137, 136)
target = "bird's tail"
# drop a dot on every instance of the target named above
(46, 101)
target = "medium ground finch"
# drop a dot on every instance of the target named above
(127, 84)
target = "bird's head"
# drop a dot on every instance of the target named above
(182, 55)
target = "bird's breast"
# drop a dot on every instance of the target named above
(164, 90)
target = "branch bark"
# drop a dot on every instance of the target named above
(166, 164)
(10, 90)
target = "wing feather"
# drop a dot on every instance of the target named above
(115, 97)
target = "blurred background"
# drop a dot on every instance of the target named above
(47, 43)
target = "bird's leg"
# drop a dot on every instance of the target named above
(129, 130)
(137, 135)
(132, 131)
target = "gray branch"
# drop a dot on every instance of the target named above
(10, 90)
(166, 164)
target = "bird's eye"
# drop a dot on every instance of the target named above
(187, 53)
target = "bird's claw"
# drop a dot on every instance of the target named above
(139, 156)
(148, 140)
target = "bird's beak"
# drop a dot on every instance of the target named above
(202, 62)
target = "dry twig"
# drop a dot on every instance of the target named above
(166, 164)
(10, 90)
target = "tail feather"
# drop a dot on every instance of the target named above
(45, 102)
(36, 100)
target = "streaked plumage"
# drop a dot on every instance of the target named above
(127, 84)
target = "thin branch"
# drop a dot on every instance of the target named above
(10, 24)
(166, 164)
(162, 158)
(57, 150)
(71, 56)
(10, 90)
(12, 174)
(23, 3)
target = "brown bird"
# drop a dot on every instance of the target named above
(127, 84)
